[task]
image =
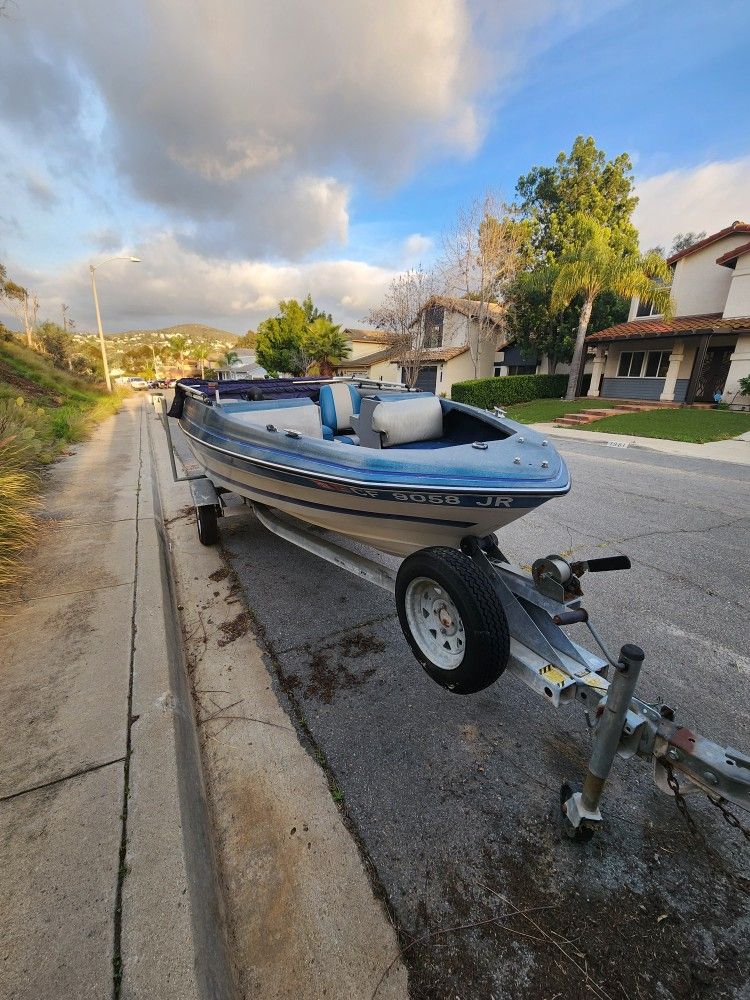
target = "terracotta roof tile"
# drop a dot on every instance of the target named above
(732, 255)
(430, 356)
(685, 325)
(736, 227)
(467, 307)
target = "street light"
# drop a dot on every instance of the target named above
(92, 268)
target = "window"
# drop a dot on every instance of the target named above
(631, 363)
(645, 309)
(657, 364)
(642, 364)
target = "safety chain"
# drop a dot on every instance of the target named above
(740, 880)
(730, 817)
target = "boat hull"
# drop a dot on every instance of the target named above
(393, 518)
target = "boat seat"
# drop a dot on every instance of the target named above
(391, 421)
(339, 402)
(301, 415)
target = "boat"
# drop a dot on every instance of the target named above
(393, 467)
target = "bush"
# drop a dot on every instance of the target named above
(508, 389)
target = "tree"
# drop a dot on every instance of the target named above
(281, 339)
(403, 312)
(326, 345)
(536, 329)
(201, 352)
(231, 358)
(178, 345)
(684, 240)
(56, 343)
(600, 260)
(481, 256)
(17, 298)
(312, 312)
(249, 340)
(581, 182)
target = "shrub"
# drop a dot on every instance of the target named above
(509, 389)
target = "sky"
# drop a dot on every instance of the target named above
(249, 152)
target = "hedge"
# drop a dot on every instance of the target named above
(505, 390)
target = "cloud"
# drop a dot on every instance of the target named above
(416, 247)
(710, 197)
(248, 120)
(249, 123)
(174, 284)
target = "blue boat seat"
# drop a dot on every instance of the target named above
(301, 415)
(338, 403)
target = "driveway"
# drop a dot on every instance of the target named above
(454, 799)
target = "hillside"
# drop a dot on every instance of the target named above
(197, 332)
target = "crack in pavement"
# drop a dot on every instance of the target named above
(59, 781)
(129, 720)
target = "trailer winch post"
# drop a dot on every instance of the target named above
(582, 808)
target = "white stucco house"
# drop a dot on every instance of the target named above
(700, 353)
(246, 366)
(452, 343)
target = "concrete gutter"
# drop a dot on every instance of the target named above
(735, 451)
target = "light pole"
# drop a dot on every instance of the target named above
(102, 345)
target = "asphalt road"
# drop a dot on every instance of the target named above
(454, 799)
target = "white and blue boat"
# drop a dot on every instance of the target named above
(394, 468)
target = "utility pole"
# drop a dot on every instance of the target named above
(102, 345)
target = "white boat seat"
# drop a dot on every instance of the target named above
(392, 421)
(339, 402)
(300, 415)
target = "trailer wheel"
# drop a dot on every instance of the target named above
(208, 524)
(452, 619)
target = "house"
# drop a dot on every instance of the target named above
(704, 350)
(244, 367)
(452, 343)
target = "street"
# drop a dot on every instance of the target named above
(453, 800)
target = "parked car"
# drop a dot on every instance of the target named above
(138, 383)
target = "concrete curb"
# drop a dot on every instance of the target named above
(735, 451)
(212, 965)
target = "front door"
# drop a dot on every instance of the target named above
(713, 376)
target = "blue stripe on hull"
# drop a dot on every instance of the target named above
(501, 499)
(413, 518)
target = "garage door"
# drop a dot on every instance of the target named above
(426, 380)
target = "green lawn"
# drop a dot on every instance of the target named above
(544, 411)
(698, 426)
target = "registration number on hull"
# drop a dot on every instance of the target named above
(447, 499)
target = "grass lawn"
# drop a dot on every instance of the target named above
(698, 426)
(544, 411)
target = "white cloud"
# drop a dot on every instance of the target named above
(174, 285)
(416, 247)
(710, 197)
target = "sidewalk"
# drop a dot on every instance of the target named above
(96, 886)
(736, 451)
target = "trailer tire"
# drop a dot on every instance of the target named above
(452, 619)
(208, 525)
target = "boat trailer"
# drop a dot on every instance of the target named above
(538, 605)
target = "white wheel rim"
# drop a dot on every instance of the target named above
(435, 623)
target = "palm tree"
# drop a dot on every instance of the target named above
(326, 345)
(231, 358)
(178, 346)
(201, 352)
(597, 263)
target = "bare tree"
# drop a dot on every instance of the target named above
(481, 256)
(402, 313)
